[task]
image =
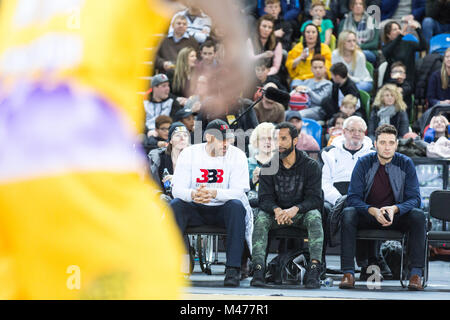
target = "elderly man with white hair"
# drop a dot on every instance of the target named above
(339, 160)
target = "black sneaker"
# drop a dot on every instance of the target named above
(312, 276)
(232, 277)
(258, 276)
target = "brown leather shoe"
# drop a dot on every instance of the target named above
(415, 283)
(347, 282)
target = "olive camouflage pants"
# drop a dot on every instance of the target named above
(264, 222)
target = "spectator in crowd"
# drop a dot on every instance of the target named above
(160, 102)
(283, 29)
(345, 6)
(305, 141)
(262, 69)
(398, 78)
(264, 44)
(211, 191)
(187, 118)
(201, 94)
(342, 86)
(198, 23)
(397, 49)
(348, 106)
(406, 10)
(268, 110)
(261, 141)
(437, 19)
(349, 54)
(332, 10)
(208, 62)
(318, 12)
(384, 184)
(298, 62)
(163, 159)
(317, 89)
(161, 136)
(184, 70)
(339, 161)
(335, 127)
(438, 128)
(177, 39)
(290, 9)
(291, 196)
(389, 108)
(438, 90)
(364, 26)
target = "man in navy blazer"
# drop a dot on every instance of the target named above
(384, 194)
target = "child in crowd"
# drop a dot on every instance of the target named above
(318, 12)
(348, 105)
(336, 126)
(398, 77)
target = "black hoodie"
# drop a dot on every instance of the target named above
(300, 185)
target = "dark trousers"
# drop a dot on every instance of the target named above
(412, 222)
(230, 215)
(367, 251)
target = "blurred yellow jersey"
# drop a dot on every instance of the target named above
(79, 219)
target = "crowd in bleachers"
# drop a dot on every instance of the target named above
(337, 59)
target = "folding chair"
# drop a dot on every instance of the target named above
(369, 67)
(381, 71)
(365, 101)
(383, 235)
(439, 43)
(313, 128)
(205, 251)
(439, 201)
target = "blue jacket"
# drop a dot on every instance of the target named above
(402, 176)
(289, 8)
(430, 135)
(435, 93)
(388, 8)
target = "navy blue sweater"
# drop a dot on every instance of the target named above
(402, 176)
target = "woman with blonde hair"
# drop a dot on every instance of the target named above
(438, 90)
(349, 53)
(389, 108)
(261, 141)
(181, 84)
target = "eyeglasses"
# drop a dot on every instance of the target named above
(353, 131)
(164, 129)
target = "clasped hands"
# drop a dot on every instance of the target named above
(285, 216)
(203, 195)
(379, 214)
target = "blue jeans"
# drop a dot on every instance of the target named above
(412, 222)
(365, 85)
(431, 27)
(230, 215)
(370, 56)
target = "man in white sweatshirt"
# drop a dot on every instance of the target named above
(209, 186)
(339, 160)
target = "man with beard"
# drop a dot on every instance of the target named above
(291, 196)
(384, 194)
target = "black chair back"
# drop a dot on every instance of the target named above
(440, 204)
